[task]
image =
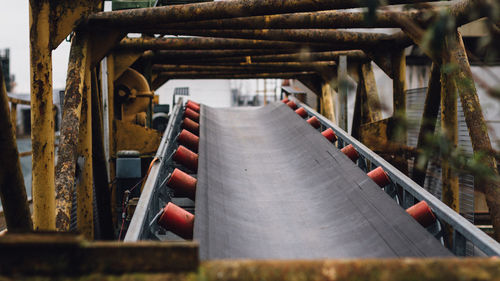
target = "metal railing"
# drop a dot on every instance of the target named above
(463, 230)
(149, 205)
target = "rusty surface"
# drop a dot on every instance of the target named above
(366, 269)
(70, 126)
(342, 39)
(134, 137)
(84, 186)
(478, 129)
(59, 254)
(12, 190)
(42, 119)
(322, 19)
(398, 128)
(428, 123)
(222, 9)
(203, 43)
(371, 107)
(294, 57)
(208, 75)
(251, 66)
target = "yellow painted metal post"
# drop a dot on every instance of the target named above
(84, 189)
(327, 107)
(42, 119)
(13, 116)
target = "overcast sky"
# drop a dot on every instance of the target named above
(14, 31)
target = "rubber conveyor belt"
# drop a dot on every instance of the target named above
(272, 187)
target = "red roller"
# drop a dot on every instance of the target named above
(350, 152)
(301, 112)
(193, 106)
(313, 121)
(329, 134)
(182, 183)
(422, 213)
(177, 220)
(193, 102)
(186, 158)
(191, 114)
(292, 104)
(191, 126)
(189, 140)
(285, 100)
(379, 176)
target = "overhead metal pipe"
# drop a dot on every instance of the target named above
(202, 43)
(210, 75)
(322, 19)
(262, 66)
(355, 55)
(345, 39)
(223, 9)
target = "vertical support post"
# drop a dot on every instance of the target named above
(478, 130)
(428, 123)
(12, 189)
(109, 118)
(84, 188)
(371, 106)
(356, 116)
(42, 119)
(342, 77)
(449, 125)
(70, 126)
(327, 108)
(99, 168)
(397, 129)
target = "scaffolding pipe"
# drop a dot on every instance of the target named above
(223, 9)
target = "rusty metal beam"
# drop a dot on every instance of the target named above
(449, 126)
(203, 43)
(209, 75)
(364, 269)
(70, 125)
(371, 107)
(12, 190)
(222, 9)
(322, 19)
(262, 66)
(478, 129)
(397, 129)
(428, 123)
(42, 119)
(343, 39)
(293, 57)
(84, 187)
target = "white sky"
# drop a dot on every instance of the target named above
(14, 34)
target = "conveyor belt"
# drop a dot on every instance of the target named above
(272, 187)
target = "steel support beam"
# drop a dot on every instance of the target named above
(323, 19)
(84, 187)
(221, 10)
(478, 129)
(70, 126)
(428, 123)
(397, 128)
(12, 190)
(42, 119)
(208, 75)
(343, 92)
(343, 39)
(203, 43)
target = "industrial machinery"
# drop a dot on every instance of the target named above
(278, 192)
